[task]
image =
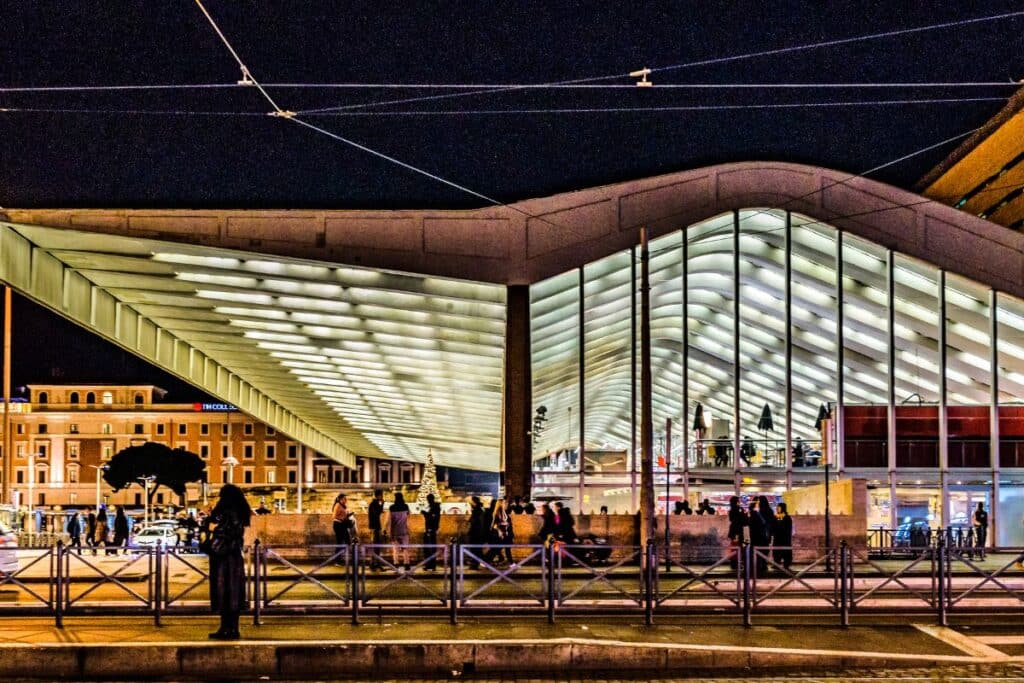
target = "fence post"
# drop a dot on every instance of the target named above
(549, 555)
(353, 576)
(650, 570)
(158, 581)
(58, 603)
(745, 558)
(844, 572)
(940, 551)
(257, 592)
(454, 564)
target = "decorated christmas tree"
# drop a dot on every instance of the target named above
(428, 484)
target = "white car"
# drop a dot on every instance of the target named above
(148, 537)
(8, 550)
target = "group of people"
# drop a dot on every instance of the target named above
(388, 522)
(769, 531)
(682, 507)
(97, 531)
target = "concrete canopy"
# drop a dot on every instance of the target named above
(361, 359)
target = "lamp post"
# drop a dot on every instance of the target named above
(31, 505)
(99, 469)
(230, 461)
(145, 481)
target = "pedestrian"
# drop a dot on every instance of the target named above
(549, 522)
(75, 532)
(980, 519)
(705, 508)
(677, 508)
(431, 523)
(398, 526)
(120, 531)
(737, 520)
(342, 521)
(228, 520)
(516, 508)
(565, 526)
(529, 508)
(90, 530)
(498, 536)
(374, 513)
(782, 539)
(747, 451)
(685, 508)
(100, 538)
(760, 538)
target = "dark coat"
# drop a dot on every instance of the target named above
(548, 525)
(432, 517)
(759, 530)
(227, 571)
(737, 520)
(477, 525)
(783, 532)
(566, 528)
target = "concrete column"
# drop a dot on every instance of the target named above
(516, 442)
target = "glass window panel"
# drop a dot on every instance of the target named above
(865, 310)
(711, 372)
(1010, 331)
(814, 307)
(762, 245)
(666, 268)
(916, 299)
(608, 362)
(554, 342)
(968, 343)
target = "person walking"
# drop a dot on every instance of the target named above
(342, 521)
(737, 520)
(101, 532)
(228, 522)
(75, 532)
(980, 519)
(498, 536)
(565, 526)
(120, 531)
(549, 523)
(90, 531)
(477, 530)
(782, 539)
(398, 526)
(431, 523)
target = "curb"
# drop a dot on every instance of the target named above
(297, 659)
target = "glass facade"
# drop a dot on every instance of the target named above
(777, 343)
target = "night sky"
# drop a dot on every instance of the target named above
(236, 160)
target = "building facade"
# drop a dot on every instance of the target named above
(63, 434)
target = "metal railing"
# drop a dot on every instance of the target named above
(456, 579)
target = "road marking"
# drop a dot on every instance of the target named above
(1000, 640)
(961, 642)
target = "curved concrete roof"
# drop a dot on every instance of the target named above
(534, 239)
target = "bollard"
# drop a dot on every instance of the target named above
(256, 584)
(745, 559)
(844, 605)
(940, 552)
(454, 564)
(353, 569)
(58, 603)
(158, 582)
(549, 553)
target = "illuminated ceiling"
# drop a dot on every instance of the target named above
(380, 364)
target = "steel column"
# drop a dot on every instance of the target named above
(943, 389)
(788, 268)
(993, 514)
(736, 350)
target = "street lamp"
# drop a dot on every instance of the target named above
(99, 470)
(145, 481)
(31, 505)
(230, 461)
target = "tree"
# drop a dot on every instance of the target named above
(169, 467)
(428, 484)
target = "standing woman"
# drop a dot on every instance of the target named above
(101, 531)
(342, 520)
(227, 568)
(783, 538)
(737, 520)
(398, 523)
(120, 529)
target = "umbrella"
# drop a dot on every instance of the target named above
(765, 424)
(698, 418)
(822, 416)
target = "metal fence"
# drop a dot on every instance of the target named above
(546, 580)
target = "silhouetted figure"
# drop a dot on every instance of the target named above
(228, 521)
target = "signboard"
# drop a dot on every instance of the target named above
(212, 407)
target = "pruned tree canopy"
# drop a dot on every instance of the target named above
(169, 467)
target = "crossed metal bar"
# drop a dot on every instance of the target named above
(373, 554)
(12, 577)
(989, 577)
(111, 577)
(706, 577)
(891, 577)
(472, 553)
(187, 561)
(598, 575)
(302, 575)
(829, 557)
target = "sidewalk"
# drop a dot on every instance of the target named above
(300, 646)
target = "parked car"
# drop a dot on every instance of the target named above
(8, 550)
(148, 537)
(913, 534)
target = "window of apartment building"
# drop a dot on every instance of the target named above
(73, 450)
(247, 475)
(20, 450)
(405, 473)
(42, 450)
(160, 498)
(108, 398)
(271, 431)
(73, 398)
(73, 498)
(204, 451)
(44, 397)
(160, 428)
(384, 473)
(271, 475)
(292, 475)
(90, 398)
(40, 476)
(225, 451)
(182, 429)
(72, 475)
(19, 476)
(271, 451)
(20, 429)
(139, 429)
(42, 499)
(136, 442)
(204, 428)
(139, 399)
(43, 427)
(321, 476)
(107, 450)
(247, 429)
(106, 428)
(73, 428)
(225, 429)
(247, 451)
(293, 451)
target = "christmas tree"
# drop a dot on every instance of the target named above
(428, 484)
